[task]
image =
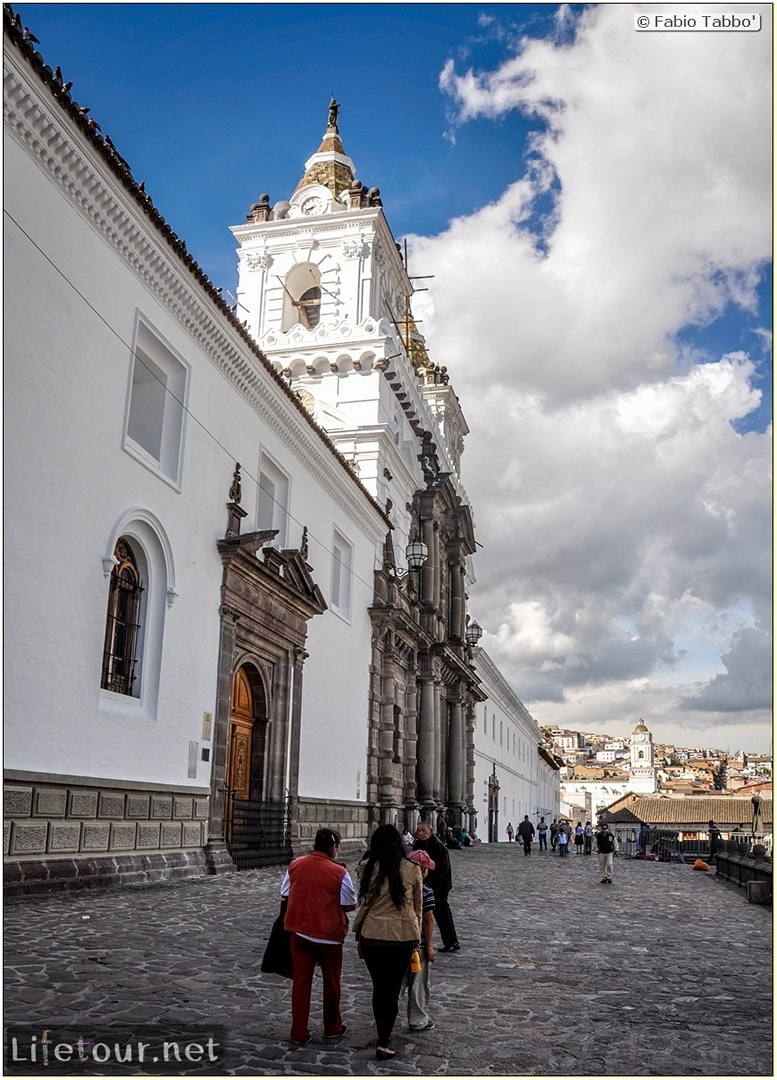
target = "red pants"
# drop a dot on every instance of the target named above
(304, 956)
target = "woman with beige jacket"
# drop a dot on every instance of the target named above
(388, 925)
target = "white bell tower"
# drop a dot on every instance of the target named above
(642, 772)
(324, 290)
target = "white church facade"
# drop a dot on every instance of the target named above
(257, 618)
(639, 777)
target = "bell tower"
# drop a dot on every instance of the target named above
(642, 773)
(326, 292)
(321, 261)
(324, 289)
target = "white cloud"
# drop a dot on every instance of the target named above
(625, 522)
(663, 212)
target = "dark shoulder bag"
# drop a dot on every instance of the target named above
(277, 955)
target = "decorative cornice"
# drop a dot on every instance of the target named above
(299, 226)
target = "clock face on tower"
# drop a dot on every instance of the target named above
(314, 205)
(640, 737)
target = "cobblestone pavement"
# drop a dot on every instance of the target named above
(666, 972)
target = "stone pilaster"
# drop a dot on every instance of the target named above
(426, 740)
(216, 849)
(456, 762)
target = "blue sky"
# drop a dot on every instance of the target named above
(594, 206)
(213, 104)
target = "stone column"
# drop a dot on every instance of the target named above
(426, 758)
(386, 748)
(440, 724)
(279, 731)
(410, 745)
(437, 564)
(469, 768)
(458, 606)
(298, 658)
(456, 763)
(216, 853)
(429, 572)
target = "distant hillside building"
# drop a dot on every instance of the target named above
(594, 793)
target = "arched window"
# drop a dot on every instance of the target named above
(302, 300)
(122, 623)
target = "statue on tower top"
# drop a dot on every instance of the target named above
(334, 109)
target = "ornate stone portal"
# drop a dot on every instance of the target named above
(424, 687)
(266, 603)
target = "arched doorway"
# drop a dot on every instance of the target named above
(256, 828)
(247, 726)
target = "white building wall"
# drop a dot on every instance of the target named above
(507, 737)
(72, 487)
(333, 736)
(594, 795)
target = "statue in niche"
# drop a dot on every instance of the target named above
(235, 492)
(430, 466)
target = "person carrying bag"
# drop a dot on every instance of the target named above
(388, 926)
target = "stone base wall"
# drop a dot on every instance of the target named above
(351, 819)
(65, 832)
(35, 877)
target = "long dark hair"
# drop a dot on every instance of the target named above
(385, 853)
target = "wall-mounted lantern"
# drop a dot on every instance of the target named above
(416, 554)
(473, 634)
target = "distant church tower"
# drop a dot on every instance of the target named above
(642, 773)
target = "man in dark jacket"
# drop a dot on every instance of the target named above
(526, 833)
(440, 882)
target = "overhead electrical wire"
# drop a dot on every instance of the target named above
(203, 427)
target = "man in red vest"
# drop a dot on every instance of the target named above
(319, 892)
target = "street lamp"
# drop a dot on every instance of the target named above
(416, 553)
(473, 634)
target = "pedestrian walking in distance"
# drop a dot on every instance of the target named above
(526, 833)
(320, 891)
(553, 833)
(509, 831)
(542, 834)
(605, 846)
(579, 838)
(440, 881)
(562, 838)
(588, 837)
(389, 925)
